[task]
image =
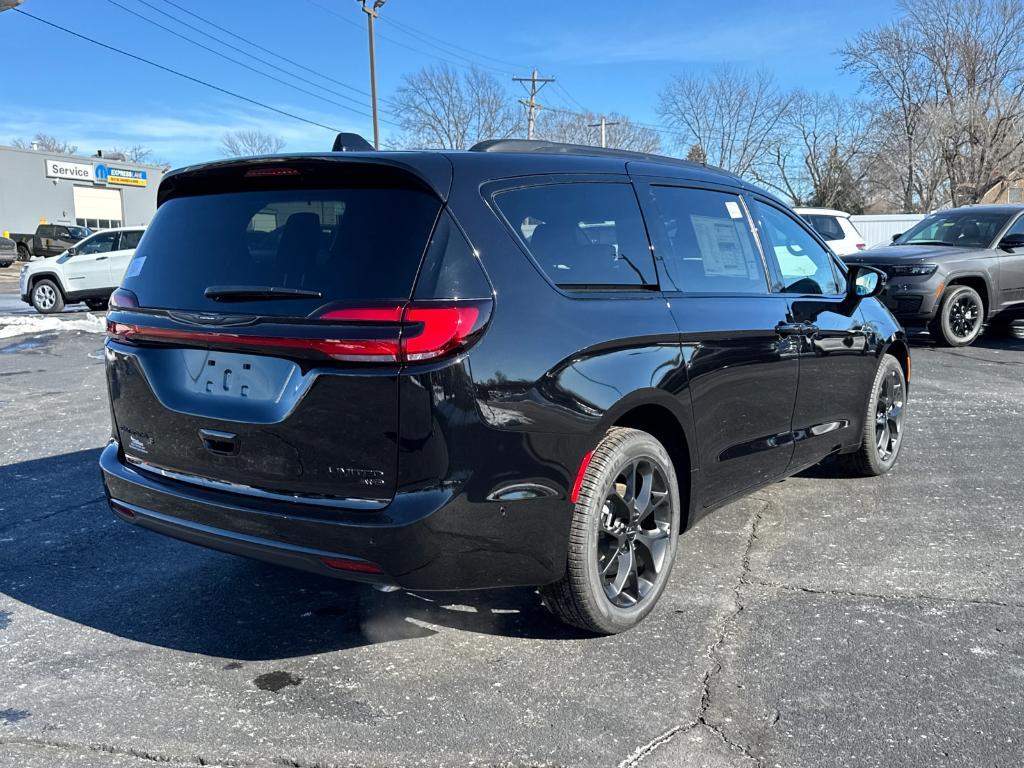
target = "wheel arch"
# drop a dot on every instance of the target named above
(52, 277)
(978, 282)
(658, 413)
(898, 348)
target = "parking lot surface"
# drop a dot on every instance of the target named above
(823, 621)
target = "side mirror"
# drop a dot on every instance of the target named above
(72, 251)
(1012, 242)
(863, 281)
(896, 237)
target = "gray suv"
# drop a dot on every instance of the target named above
(955, 271)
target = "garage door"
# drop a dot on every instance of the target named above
(97, 208)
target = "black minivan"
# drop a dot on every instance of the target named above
(523, 364)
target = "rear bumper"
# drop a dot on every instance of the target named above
(429, 540)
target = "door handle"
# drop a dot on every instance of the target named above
(790, 329)
(101, 258)
(221, 443)
(797, 329)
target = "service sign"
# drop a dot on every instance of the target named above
(61, 169)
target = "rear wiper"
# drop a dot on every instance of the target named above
(246, 292)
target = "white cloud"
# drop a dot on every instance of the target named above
(180, 138)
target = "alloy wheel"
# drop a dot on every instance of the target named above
(889, 415)
(45, 297)
(964, 316)
(635, 532)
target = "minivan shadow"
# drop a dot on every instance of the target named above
(63, 552)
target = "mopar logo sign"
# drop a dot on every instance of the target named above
(125, 176)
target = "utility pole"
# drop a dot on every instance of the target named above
(603, 125)
(371, 14)
(536, 83)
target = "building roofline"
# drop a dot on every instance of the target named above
(77, 158)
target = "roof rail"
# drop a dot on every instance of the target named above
(351, 142)
(554, 147)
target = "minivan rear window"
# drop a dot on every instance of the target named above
(347, 244)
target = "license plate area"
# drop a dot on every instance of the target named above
(237, 376)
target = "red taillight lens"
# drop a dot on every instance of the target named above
(123, 299)
(861, 246)
(355, 566)
(396, 334)
(430, 332)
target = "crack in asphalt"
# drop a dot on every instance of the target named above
(880, 596)
(167, 759)
(713, 654)
(48, 515)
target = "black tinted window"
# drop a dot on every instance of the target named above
(450, 269)
(101, 243)
(709, 247)
(129, 240)
(349, 244)
(806, 267)
(826, 226)
(584, 234)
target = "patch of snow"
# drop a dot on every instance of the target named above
(19, 325)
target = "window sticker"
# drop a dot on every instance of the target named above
(725, 252)
(734, 210)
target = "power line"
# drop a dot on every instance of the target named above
(440, 42)
(175, 72)
(256, 45)
(242, 64)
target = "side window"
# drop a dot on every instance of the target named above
(709, 244)
(129, 240)
(805, 266)
(1017, 228)
(826, 226)
(45, 231)
(583, 235)
(99, 244)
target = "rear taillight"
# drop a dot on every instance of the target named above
(861, 246)
(123, 299)
(414, 332)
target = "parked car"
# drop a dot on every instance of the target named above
(835, 228)
(955, 270)
(48, 240)
(530, 364)
(8, 251)
(88, 272)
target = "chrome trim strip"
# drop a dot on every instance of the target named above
(260, 493)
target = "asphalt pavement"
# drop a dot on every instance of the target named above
(821, 622)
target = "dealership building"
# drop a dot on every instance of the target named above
(38, 187)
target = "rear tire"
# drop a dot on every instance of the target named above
(96, 305)
(622, 542)
(884, 420)
(23, 253)
(960, 319)
(47, 298)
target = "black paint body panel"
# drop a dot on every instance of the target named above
(479, 453)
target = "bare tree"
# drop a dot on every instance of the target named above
(974, 49)
(951, 74)
(583, 128)
(732, 115)
(250, 142)
(47, 143)
(818, 158)
(136, 153)
(441, 108)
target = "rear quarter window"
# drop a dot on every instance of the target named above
(584, 235)
(829, 227)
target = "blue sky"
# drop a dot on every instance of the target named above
(607, 56)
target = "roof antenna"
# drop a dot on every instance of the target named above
(351, 142)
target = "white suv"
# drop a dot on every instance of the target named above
(89, 271)
(835, 228)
